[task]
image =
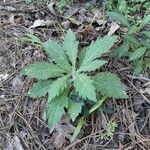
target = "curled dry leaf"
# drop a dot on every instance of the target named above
(72, 11)
(114, 27)
(13, 143)
(58, 137)
(63, 132)
(66, 24)
(82, 15)
(98, 17)
(17, 84)
(100, 21)
(129, 115)
(3, 76)
(51, 7)
(17, 143)
(104, 120)
(7, 8)
(42, 23)
(14, 19)
(97, 13)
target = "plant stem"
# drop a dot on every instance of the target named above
(98, 104)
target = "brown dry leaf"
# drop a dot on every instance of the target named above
(72, 11)
(7, 8)
(66, 24)
(98, 17)
(114, 27)
(130, 119)
(82, 15)
(129, 115)
(101, 21)
(42, 23)
(103, 120)
(12, 19)
(58, 137)
(97, 13)
(13, 143)
(17, 84)
(51, 7)
(62, 132)
(74, 21)
(38, 23)
(17, 143)
(124, 30)
(3, 77)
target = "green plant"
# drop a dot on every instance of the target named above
(62, 4)
(109, 130)
(127, 7)
(136, 43)
(67, 79)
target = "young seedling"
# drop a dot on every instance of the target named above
(69, 74)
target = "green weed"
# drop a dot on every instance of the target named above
(127, 7)
(109, 130)
(68, 74)
(136, 43)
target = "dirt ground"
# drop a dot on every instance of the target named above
(22, 121)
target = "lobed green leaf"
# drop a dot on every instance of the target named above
(91, 66)
(55, 51)
(42, 70)
(39, 89)
(145, 21)
(122, 50)
(138, 66)
(133, 29)
(97, 48)
(84, 87)
(132, 40)
(70, 45)
(145, 43)
(57, 87)
(120, 18)
(138, 53)
(109, 85)
(146, 33)
(55, 109)
(74, 109)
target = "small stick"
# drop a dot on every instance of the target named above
(141, 78)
